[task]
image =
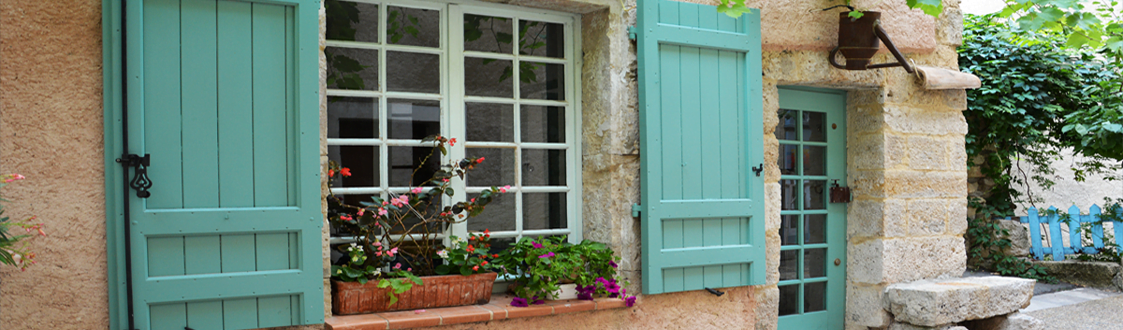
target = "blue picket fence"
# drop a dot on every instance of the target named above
(1073, 221)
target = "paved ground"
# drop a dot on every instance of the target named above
(1105, 314)
(1071, 297)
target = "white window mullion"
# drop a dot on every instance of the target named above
(383, 114)
(454, 26)
(573, 128)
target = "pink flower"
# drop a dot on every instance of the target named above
(377, 244)
(536, 245)
(361, 211)
(409, 269)
(416, 190)
(547, 255)
(377, 253)
(398, 266)
(345, 217)
(419, 311)
(505, 188)
(381, 211)
(630, 301)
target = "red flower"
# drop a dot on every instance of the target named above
(475, 267)
(495, 256)
(487, 231)
(481, 160)
(345, 171)
(331, 172)
(452, 142)
(483, 263)
(471, 248)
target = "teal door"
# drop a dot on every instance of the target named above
(222, 96)
(812, 134)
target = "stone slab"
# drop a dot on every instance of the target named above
(933, 303)
(1083, 273)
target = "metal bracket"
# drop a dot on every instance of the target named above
(140, 181)
(636, 208)
(633, 33)
(757, 169)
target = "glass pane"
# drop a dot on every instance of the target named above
(351, 21)
(543, 167)
(413, 72)
(413, 119)
(350, 68)
(814, 160)
(488, 77)
(490, 122)
(356, 200)
(404, 160)
(789, 265)
(815, 195)
(542, 124)
(497, 169)
(414, 27)
(785, 129)
(352, 117)
(500, 244)
(788, 159)
(543, 210)
(814, 263)
(789, 299)
(499, 215)
(789, 230)
(363, 162)
(487, 34)
(814, 228)
(814, 126)
(541, 39)
(789, 194)
(541, 81)
(814, 297)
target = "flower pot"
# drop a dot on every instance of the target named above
(436, 291)
(568, 291)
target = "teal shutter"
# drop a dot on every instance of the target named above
(223, 96)
(702, 205)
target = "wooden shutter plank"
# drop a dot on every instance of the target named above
(273, 251)
(238, 253)
(235, 104)
(270, 145)
(204, 315)
(202, 255)
(200, 104)
(274, 311)
(168, 317)
(165, 256)
(690, 123)
(162, 102)
(670, 135)
(239, 313)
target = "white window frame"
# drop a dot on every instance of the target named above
(451, 50)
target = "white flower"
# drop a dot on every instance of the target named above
(377, 271)
(443, 254)
(355, 246)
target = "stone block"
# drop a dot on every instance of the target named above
(914, 184)
(937, 302)
(927, 152)
(1018, 235)
(865, 305)
(876, 218)
(772, 257)
(772, 206)
(927, 217)
(957, 216)
(1015, 321)
(876, 151)
(767, 307)
(1118, 281)
(875, 261)
(912, 120)
(906, 326)
(1084, 273)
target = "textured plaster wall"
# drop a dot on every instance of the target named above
(51, 131)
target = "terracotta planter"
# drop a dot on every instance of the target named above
(437, 291)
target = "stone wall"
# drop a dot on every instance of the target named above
(51, 128)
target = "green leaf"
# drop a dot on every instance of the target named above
(465, 271)
(733, 8)
(442, 269)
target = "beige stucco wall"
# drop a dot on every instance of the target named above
(51, 131)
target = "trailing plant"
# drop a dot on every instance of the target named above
(736, 8)
(397, 238)
(987, 243)
(540, 265)
(14, 245)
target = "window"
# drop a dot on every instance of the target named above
(502, 81)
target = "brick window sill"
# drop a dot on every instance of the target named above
(498, 309)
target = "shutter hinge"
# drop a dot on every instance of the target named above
(632, 34)
(635, 210)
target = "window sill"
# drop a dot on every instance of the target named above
(498, 309)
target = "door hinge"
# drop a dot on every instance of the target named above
(632, 34)
(140, 181)
(635, 210)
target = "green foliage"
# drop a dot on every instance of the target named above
(1032, 95)
(467, 257)
(987, 243)
(400, 281)
(540, 265)
(14, 247)
(735, 8)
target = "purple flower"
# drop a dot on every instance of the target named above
(612, 263)
(519, 302)
(538, 301)
(547, 255)
(585, 296)
(536, 245)
(630, 301)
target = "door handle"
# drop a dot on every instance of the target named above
(140, 181)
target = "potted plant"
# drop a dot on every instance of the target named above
(397, 252)
(14, 247)
(541, 265)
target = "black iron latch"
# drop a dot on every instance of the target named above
(140, 181)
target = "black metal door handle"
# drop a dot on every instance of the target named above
(140, 181)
